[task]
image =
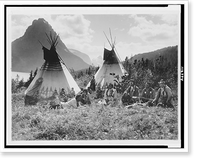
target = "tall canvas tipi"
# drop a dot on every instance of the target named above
(111, 69)
(53, 76)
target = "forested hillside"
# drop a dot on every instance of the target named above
(153, 66)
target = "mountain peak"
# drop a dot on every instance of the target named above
(39, 27)
(27, 52)
(40, 22)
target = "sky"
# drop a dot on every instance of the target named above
(134, 32)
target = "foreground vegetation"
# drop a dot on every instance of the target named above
(95, 122)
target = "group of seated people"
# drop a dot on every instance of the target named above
(64, 96)
(132, 95)
(162, 98)
(108, 93)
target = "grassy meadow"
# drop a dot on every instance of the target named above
(94, 122)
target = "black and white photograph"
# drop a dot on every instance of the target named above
(96, 76)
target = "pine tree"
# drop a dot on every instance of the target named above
(14, 88)
(89, 71)
(30, 79)
(21, 84)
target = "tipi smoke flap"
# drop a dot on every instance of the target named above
(52, 77)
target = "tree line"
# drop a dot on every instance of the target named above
(152, 70)
(89, 71)
(18, 85)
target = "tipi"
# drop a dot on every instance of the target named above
(52, 77)
(111, 69)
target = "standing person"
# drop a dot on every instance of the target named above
(93, 84)
(147, 94)
(164, 96)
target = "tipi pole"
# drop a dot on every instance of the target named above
(111, 38)
(107, 39)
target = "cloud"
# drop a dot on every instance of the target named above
(124, 49)
(84, 46)
(171, 19)
(74, 30)
(151, 32)
(65, 25)
(73, 25)
(19, 23)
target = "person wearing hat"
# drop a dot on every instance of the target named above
(164, 96)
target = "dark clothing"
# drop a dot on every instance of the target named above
(99, 93)
(83, 98)
(132, 91)
(92, 85)
(147, 94)
(130, 95)
(128, 100)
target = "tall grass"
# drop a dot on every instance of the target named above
(95, 122)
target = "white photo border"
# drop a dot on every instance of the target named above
(106, 146)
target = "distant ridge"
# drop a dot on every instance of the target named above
(82, 55)
(170, 53)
